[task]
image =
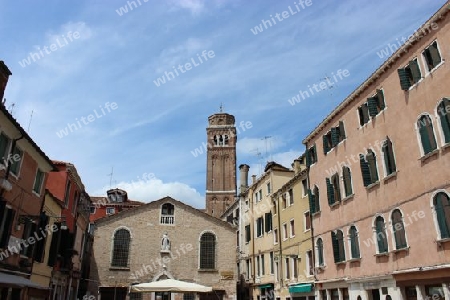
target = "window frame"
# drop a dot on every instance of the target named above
(439, 219)
(40, 182)
(389, 161)
(423, 151)
(396, 238)
(384, 231)
(121, 263)
(202, 261)
(425, 58)
(354, 243)
(444, 118)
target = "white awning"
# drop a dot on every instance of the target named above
(17, 281)
(170, 285)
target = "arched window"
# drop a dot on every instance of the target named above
(319, 245)
(426, 133)
(398, 228)
(167, 213)
(121, 248)
(347, 179)
(369, 167)
(444, 116)
(389, 160)
(225, 139)
(314, 204)
(381, 236)
(354, 242)
(337, 239)
(208, 251)
(441, 204)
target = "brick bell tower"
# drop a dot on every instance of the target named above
(221, 163)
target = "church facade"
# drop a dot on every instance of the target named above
(159, 240)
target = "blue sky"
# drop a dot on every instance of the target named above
(95, 57)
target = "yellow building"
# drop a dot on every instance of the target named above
(258, 232)
(41, 272)
(293, 252)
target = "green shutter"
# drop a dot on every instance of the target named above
(372, 102)
(434, 52)
(334, 136)
(380, 96)
(325, 144)
(442, 201)
(335, 244)
(330, 192)
(342, 130)
(365, 171)
(314, 153)
(405, 84)
(320, 251)
(308, 158)
(372, 162)
(424, 136)
(444, 117)
(312, 204)
(381, 235)
(347, 181)
(415, 70)
(354, 242)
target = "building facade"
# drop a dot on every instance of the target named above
(23, 173)
(220, 163)
(379, 178)
(116, 200)
(67, 249)
(162, 239)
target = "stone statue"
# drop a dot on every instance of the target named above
(165, 242)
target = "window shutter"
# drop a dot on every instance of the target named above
(365, 171)
(444, 226)
(444, 117)
(415, 70)
(312, 204)
(325, 144)
(381, 235)
(361, 116)
(7, 227)
(405, 84)
(372, 162)
(334, 136)
(347, 181)
(314, 155)
(308, 158)
(330, 192)
(372, 103)
(424, 137)
(434, 52)
(342, 130)
(380, 96)
(335, 244)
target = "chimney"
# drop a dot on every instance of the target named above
(253, 179)
(243, 177)
(4, 76)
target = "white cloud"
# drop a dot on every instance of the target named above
(253, 146)
(154, 189)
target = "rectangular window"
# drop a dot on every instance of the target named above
(283, 201)
(260, 194)
(15, 160)
(249, 268)
(432, 56)
(363, 112)
(268, 221)
(28, 231)
(271, 262)
(307, 218)
(409, 75)
(291, 197)
(263, 271)
(67, 193)
(110, 210)
(258, 266)
(333, 137)
(247, 234)
(4, 147)
(259, 227)
(285, 231)
(292, 227)
(6, 220)
(275, 236)
(311, 156)
(295, 267)
(286, 264)
(268, 188)
(38, 182)
(309, 263)
(305, 187)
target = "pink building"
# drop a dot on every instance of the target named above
(379, 178)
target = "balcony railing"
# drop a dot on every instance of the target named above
(167, 219)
